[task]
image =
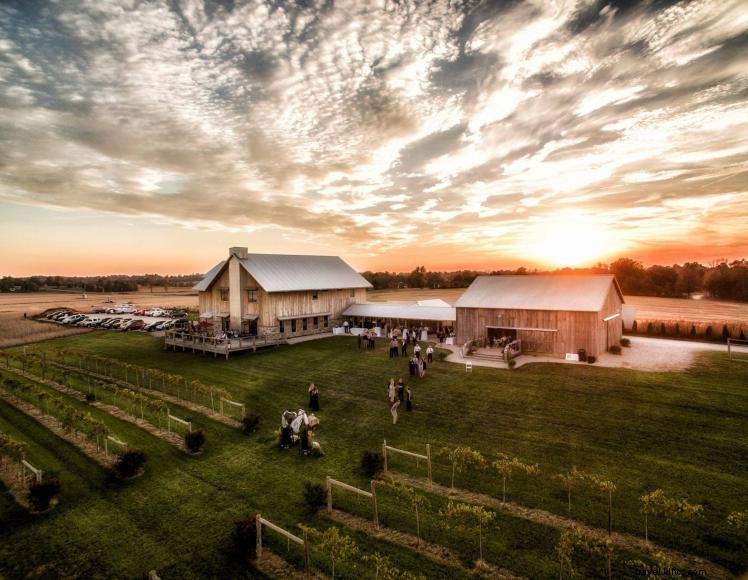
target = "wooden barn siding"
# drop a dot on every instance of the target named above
(575, 330)
(612, 305)
(282, 304)
(210, 300)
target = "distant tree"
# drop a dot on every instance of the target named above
(506, 466)
(656, 503)
(630, 275)
(690, 278)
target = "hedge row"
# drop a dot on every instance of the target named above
(715, 331)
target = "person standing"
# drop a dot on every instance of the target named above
(412, 366)
(313, 397)
(417, 351)
(404, 350)
(393, 410)
(430, 353)
(360, 341)
(408, 400)
(391, 391)
(400, 391)
(421, 367)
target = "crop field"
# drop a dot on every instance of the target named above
(685, 433)
(16, 303)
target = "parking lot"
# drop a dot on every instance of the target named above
(150, 320)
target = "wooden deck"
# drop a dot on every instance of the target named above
(203, 343)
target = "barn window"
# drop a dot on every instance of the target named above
(224, 294)
(252, 294)
(326, 321)
(282, 327)
(293, 325)
(315, 294)
(315, 322)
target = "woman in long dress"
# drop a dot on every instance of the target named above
(408, 400)
(314, 399)
(393, 410)
(391, 393)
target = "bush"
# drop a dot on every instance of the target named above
(372, 463)
(692, 334)
(129, 463)
(591, 359)
(708, 333)
(250, 422)
(194, 441)
(90, 397)
(244, 538)
(512, 363)
(314, 496)
(634, 327)
(614, 349)
(725, 333)
(625, 342)
(650, 329)
(40, 495)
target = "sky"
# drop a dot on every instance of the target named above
(151, 136)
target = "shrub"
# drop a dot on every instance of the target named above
(194, 441)
(40, 495)
(250, 422)
(663, 329)
(634, 327)
(615, 349)
(692, 334)
(676, 330)
(625, 342)
(314, 496)
(591, 359)
(708, 333)
(372, 463)
(244, 538)
(650, 329)
(129, 463)
(512, 363)
(90, 397)
(725, 333)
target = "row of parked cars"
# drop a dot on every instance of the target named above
(113, 323)
(130, 309)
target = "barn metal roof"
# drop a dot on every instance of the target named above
(287, 273)
(583, 293)
(205, 283)
(402, 311)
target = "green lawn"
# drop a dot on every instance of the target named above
(684, 432)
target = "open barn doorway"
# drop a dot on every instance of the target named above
(497, 337)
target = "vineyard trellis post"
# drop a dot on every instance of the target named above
(113, 440)
(418, 456)
(286, 534)
(37, 472)
(330, 482)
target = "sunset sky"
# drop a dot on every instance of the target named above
(151, 136)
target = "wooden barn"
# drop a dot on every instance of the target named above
(275, 294)
(551, 314)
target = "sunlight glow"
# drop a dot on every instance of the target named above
(570, 239)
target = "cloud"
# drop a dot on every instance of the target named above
(370, 122)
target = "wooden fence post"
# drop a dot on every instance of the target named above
(259, 536)
(374, 501)
(329, 494)
(306, 555)
(384, 452)
(428, 463)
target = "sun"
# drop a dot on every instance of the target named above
(570, 239)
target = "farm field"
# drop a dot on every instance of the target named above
(647, 307)
(16, 303)
(682, 432)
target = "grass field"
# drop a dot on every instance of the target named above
(686, 433)
(15, 330)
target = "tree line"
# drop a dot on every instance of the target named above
(112, 283)
(722, 279)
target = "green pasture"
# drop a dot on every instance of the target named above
(686, 433)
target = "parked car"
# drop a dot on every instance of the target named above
(136, 324)
(151, 326)
(118, 323)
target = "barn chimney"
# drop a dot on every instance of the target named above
(241, 253)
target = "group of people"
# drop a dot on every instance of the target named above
(367, 340)
(397, 394)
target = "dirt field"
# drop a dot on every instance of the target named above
(37, 302)
(647, 308)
